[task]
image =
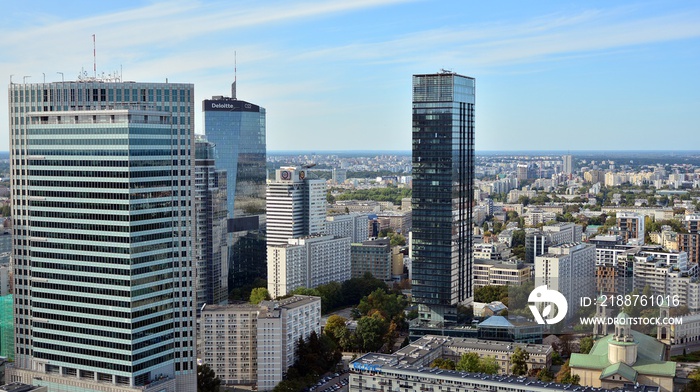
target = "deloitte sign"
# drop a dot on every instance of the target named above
(229, 105)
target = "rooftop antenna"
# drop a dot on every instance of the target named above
(233, 86)
(94, 56)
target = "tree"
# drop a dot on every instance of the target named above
(370, 331)
(586, 345)
(519, 361)
(545, 375)
(469, 362)
(489, 365)
(442, 363)
(335, 326)
(259, 294)
(206, 379)
(564, 375)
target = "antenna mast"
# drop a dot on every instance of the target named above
(235, 71)
(94, 57)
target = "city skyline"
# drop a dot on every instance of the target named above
(613, 76)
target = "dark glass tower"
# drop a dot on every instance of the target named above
(443, 173)
(237, 128)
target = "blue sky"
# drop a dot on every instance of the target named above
(336, 75)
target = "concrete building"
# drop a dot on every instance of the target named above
(537, 242)
(102, 175)
(399, 222)
(567, 164)
(307, 262)
(491, 251)
(569, 269)
(296, 205)
(690, 242)
(374, 257)
(256, 344)
(410, 372)
(353, 225)
(443, 182)
(500, 273)
(631, 225)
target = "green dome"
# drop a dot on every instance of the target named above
(622, 316)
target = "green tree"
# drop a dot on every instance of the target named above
(206, 379)
(489, 365)
(259, 294)
(370, 332)
(468, 362)
(335, 326)
(519, 361)
(586, 345)
(442, 363)
(545, 375)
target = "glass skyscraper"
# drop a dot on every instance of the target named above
(443, 174)
(102, 210)
(211, 248)
(237, 128)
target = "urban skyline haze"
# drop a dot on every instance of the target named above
(336, 74)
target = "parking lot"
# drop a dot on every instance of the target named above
(332, 383)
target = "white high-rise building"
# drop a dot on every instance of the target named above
(307, 262)
(353, 225)
(567, 164)
(102, 207)
(569, 269)
(296, 205)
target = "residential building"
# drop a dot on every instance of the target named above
(523, 171)
(631, 226)
(373, 257)
(211, 247)
(256, 344)
(537, 242)
(307, 262)
(399, 222)
(102, 178)
(491, 251)
(569, 269)
(690, 242)
(296, 205)
(353, 225)
(443, 177)
(500, 273)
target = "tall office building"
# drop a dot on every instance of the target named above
(567, 164)
(296, 205)
(211, 247)
(102, 209)
(443, 175)
(237, 128)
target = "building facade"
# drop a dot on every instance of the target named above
(631, 226)
(569, 269)
(211, 247)
(255, 344)
(307, 262)
(102, 207)
(373, 257)
(296, 205)
(443, 177)
(353, 225)
(500, 273)
(237, 129)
